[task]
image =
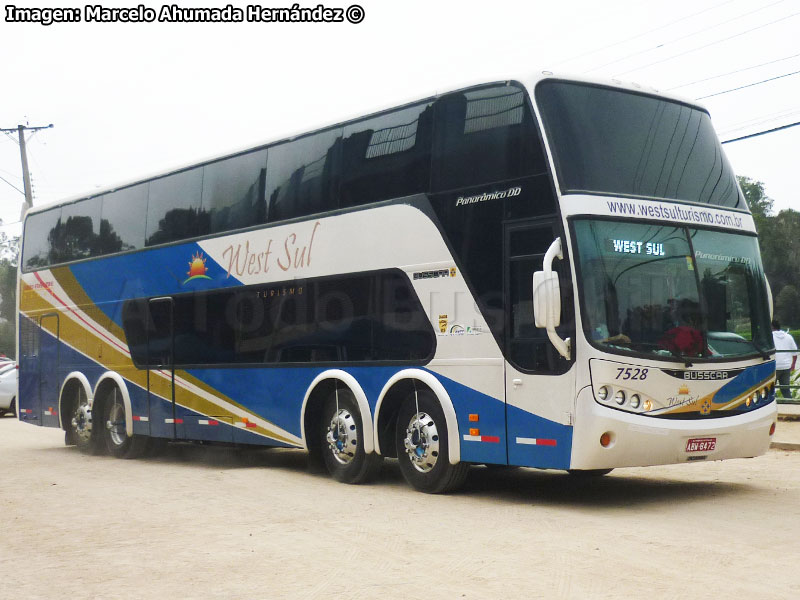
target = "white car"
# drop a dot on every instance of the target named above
(8, 388)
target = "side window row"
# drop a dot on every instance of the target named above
(364, 317)
(463, 139)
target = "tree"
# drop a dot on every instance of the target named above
(760, 204)
(779, 239)
(787, 305)
(9, 257)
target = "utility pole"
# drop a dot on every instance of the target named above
(26, 176)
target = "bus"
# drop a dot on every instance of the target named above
(543, 272)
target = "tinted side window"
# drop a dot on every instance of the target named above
(41, 239)
(301, 176)
(173, 207)
(80, 229)
(122, 226)
(352, 319)
(483, 136)
(388, 156)
(233, 192)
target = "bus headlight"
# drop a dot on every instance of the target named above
(602, 393)
(635, 401)
(620, 397)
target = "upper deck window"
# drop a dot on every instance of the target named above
(482, 136)
(615, 142)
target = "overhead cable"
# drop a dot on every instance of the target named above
(741, 33)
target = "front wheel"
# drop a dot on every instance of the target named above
(421, 440)
(342, 434)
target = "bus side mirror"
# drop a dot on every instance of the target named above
(547, 299)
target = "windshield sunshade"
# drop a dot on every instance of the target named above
(672, 291)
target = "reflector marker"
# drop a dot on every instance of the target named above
(50, 412)
(25, 411)
(138, 418)
(176, 421)
(208, 422)
(536, 441)
(482, 438)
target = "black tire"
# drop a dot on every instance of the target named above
(430, 470)
(589, 472)
(343, 440)
(69, 437)
(117, 441)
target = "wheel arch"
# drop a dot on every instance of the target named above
(110, 379)
(318, 385)
(71, 381)
(394, 389)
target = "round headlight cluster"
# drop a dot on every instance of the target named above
(606, 393)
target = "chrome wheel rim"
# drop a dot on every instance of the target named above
(342, 437)
(422, 442)
(116, 424)
(82, 422)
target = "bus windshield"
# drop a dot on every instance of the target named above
(672, 291)
(615, 142)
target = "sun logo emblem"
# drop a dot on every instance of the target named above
(705, 408)
(197, 268)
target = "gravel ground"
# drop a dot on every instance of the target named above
(203, 522)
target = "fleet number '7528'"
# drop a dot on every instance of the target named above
(627, 373)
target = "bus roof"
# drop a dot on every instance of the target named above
(529, 80)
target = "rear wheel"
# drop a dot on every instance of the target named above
(342, 434)
(80, 429)
(421, 440)
(115, 433)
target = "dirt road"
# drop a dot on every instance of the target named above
(204, 522)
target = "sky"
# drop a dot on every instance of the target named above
(128, 100)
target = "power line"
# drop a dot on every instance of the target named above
(760, 120)
(683, 37)
(663, 60)
(741, 87)
(752, 135)
(642, 34)
(12, 185)
(771, 62)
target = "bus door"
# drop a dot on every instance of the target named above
(48, 369)
(164, 420)
(538, 395)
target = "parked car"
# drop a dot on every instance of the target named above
(8, 388)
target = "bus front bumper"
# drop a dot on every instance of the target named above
(635, 440)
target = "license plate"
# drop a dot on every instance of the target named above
(701, 444)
